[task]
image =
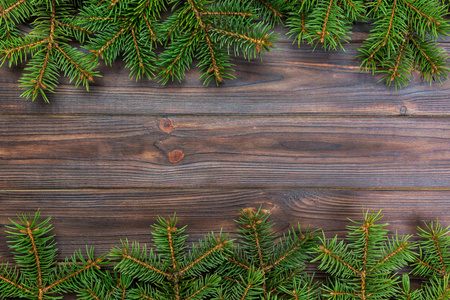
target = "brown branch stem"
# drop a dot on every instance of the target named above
(73, 27)
(198, 291)
(9, 51)
(225, 13)
(15, 284)
(90, 264)
(431, 62)
(219, 246)
(146, 265)
(136, 46)
(100, 51)
(258, 42)
(84, 74)
(431, 20)
(5, 11)
(328, 252)
(325, 22)
(272, 9)
(215, 67)
(383, 43)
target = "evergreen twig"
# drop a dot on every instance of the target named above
(47, 44)
(364, 268)
(261, 267)
(37, 276)
(170, 273)
(404, 36)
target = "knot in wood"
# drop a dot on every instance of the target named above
(176, 156)
(166, 125)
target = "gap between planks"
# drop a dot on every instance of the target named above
(234, 115)
(264, 188)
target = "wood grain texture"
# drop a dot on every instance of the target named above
(101, 218)
(242, 152)
(288, 81)
(305, 134)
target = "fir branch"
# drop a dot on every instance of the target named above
(108, 43)
(129, 32)
(262, 43)
(406, 293)
(149, 27)
(421, 13)
(339, 260)
(218, 247)
(91, 293)
(73, 27)
(7, 52)
(171, 250)
(84, 74)
(393, 48)
(434, 67)
(434, 260)
(438, 271)
(146, 265)
(225, 23)
(403, 36)
(43, 44)
(325, 22)
(104, 18)
(88, 266)
(34, 252)
(270, 11)
(394, 72)
(259, 265)
(179, 274)
(275, 12)
(238, 263)
(369, 267)
(285, 280)
(136, 46)
(10, 282)
(225, 13)
(4, 12)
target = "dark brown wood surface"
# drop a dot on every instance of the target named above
(306, 135)
(101, 218)
(288, 81)
(227, 152)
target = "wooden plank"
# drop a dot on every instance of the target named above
(100, 218)
(39, 152)
(288, 81)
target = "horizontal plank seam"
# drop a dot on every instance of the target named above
(233, 115)
(274, 188)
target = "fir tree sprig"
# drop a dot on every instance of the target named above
(406, 293)
(433, 262)
(364, 267)
(109, 287)
(170, 272)
(434, 256)
(48, 46)
(124, 27)
(260, 265)
(37, 276)
(200, 29)
(403, 38)
(323, 22)
(270, 11)
(13, 13)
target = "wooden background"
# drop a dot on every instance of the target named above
(304, 134)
